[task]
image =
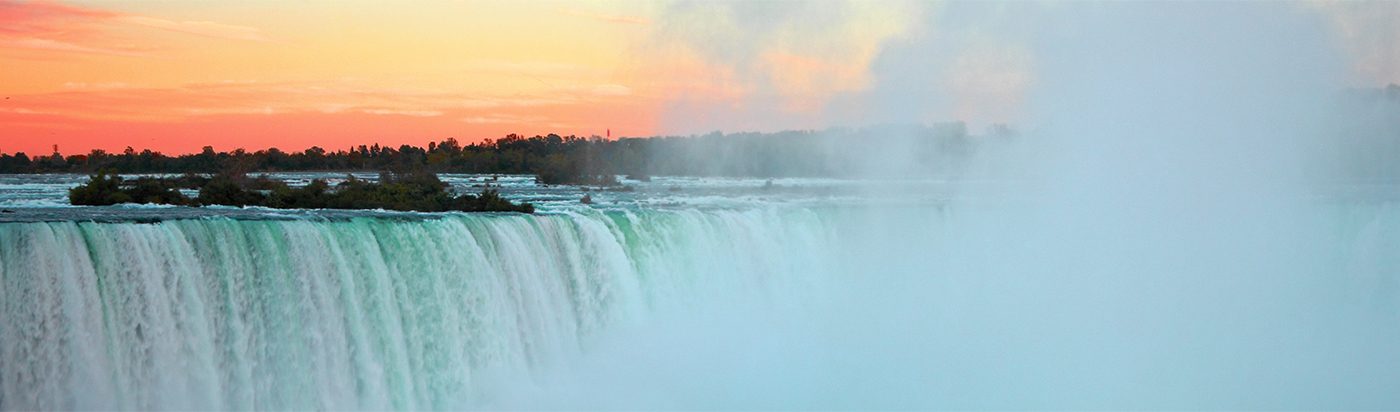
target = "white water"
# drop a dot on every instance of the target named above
(360, 314)
(987, 305)
(1177, 244)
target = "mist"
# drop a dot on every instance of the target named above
(926, 206)
(1174, 238)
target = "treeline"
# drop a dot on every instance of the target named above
(414, 191)
(567, 159)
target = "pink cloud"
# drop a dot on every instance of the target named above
(48, 26)
(20, 14)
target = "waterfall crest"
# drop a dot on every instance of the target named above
(359, 314)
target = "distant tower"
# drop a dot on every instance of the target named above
(609, 133)
(55, 149)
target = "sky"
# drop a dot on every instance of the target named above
(178, 76)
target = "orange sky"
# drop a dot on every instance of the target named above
(177, 76)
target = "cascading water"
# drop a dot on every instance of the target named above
(360, 314)
(969, 304)
(1187, 221)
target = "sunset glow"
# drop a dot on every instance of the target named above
(177, 76)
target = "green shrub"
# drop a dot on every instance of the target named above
(102, 189)
(412, 191)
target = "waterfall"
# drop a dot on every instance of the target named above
(366, 313)
(996, 306)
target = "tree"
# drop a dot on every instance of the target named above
(102, 189)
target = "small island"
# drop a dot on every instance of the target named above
(413, 191)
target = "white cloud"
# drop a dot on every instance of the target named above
(200, 28)
(1370, 35)
(606, 18)
(413, 113)
(34, 43)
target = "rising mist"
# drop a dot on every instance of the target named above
(1179, 234)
